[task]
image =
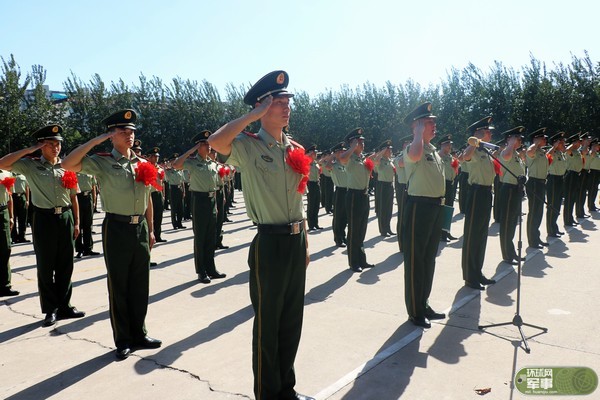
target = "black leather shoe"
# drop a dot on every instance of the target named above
(318, 227)
(356, 268)
(8, 292)
(91, 253)
(302, 397)
(384, 234)
(216, 275)
(511, 262)
(153, 264)
(203, 278)
(560, 233)
(148, 343)
(430, 314)
(445, 239)
(486, 281)
(543, 243)
(556, 235)
(182, 227)
(227, 220)
(421, 321)
(536, 246)
(70, 313)
(79, 255)
(50, 319)
(367, 266)
(340, 245)
(523, 259)
(161, 240)
(474, 285)
(391, 233)
(122, 352)
(221, 247)
(451, 237)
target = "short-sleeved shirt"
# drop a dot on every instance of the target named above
(595, 162)
(537, 166)
(516, 165)
(270, 184)
(400, 171)
(448, 169)
(186, 175)
(338, 175)
(481, 169)
(314, 172)
(357, 173)
(121, 194)
(325, 171)
(173, 177)
(425, 176)
(45, 182)
(203, 174)
(4, 193)
(586, 161)
(559, 164)
(385, 170)
(575, 161)
(20, 183)
(465, 167)
(85, 181)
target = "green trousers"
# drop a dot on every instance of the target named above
(5, 248)
(204, 222)
(536, 191)
(571, 185)
(176, 205)
(84, 242)
(357, 206)
(463, 194)
(401, 196)
(53, 244)
(313, 198)
(421, 237)
(510, 199)
(340, 216)
(277, 281)
(20, 216)
(385, 199)
(477, 221)
(157, 211)
(127, 258)
(582, 188)
(554, 194)
(221, 202)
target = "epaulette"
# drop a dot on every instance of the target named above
(296, 144)
(252, 135)
(104, 154)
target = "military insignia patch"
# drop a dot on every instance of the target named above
(280, 78)
(54, 129)
(127, 115)
(267, 158)
(429, 107)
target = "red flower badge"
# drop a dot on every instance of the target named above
(69, 180)
(550, 159)
(454, 164)
(147, 173)
(300, 163)
(8, 183)
(497, 168)
(369, 164)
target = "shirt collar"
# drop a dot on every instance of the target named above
(118, 156)
(43, 160)
(270, 140)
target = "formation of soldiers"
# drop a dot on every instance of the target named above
(559, 174)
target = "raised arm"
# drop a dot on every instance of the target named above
(72, 162)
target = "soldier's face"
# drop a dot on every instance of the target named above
(123, 137)
(203, 150)
(279, 112)
(51, 148)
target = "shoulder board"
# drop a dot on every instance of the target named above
(296, 144)
(250, 134)
(104, 154)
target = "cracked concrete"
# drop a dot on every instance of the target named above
(356, 341)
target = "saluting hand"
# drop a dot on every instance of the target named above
(262, 109)
(419, 127)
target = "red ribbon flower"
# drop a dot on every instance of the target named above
(8, 183)
(454, 165)
(550, 159)
(369, 164)
(146, 173)
(69, 180)
(222, 171)
(161, 174)
(497, 168)
(300, 163)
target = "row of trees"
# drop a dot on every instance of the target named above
(566, 97)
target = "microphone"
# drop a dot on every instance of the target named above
(475, 142)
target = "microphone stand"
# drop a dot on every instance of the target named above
(517, 319)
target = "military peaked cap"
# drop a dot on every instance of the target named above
(483, 123)
(538, 133)
(49, 132)
(274, 83)
(202, 136)
(422, 111)
(121, 119)
(356, 133)
(517, 131)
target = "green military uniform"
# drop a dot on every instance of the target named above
(537, 172)
(463, 184)
(327, 190)
(313, 197)
(594, 162)
(584, 181)
(5, 249)
(340, 216)
(450, 174)
(187, 196)
(203, 186)
(157, 194)
(384, 191)
(84, 242)
(19, 197)
(479, 208)
(401, 193)
(422, 224)
(554, 187)
(175, 180)
(357, 205)
(572, 182)
(221, 203)
(510, 196)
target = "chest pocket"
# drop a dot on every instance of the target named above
(120, 177)
(267, 170)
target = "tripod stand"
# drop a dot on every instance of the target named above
(517, 319)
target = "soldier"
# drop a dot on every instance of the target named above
(187, 195)
(273, 169)
(450, 172)
(84, 242)
(340, 180)
(358, 170)
(554, 186)
(422, 216)
(496, 206)
(401, 181)
(594, 161)
(479, 204)
(20, 201)
(326, 189)
(510, 193)
(6, 224)
(157, 195)
(384, 188)
(314, 191)
(55, 220)
(537, 172)
(127, 229)
(572, 178)
(203, 186)
(174, 179)
(584, 179)
(137, 147)
(463, 185)
(221, 199)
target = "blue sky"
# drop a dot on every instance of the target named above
(322, 44)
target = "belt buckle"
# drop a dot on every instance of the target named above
(135, 219)
(58, 210)
(295, 228)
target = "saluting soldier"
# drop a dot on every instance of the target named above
(595, 174)
(450, 172)
(479, 204)
(497, 207)
(55, 220)
(313, 197)
(572, 178)
(157, 194)
(537, 172)
(6, 224)
(422, 216)
(326, 188)
(137, 147)
(203, 185)
(340, 180)
(358, 170)
(279, 252)
(463, 185)
(384, 187)
(187, 195)
(127, 229)
(221, 201)
(554, 186)
(20, 201)
(511, 193)
(584, 179)
(84, 243)
(174, 178)
(401, 186)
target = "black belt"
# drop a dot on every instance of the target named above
(86, 193)
(537, 179)
(510, 185)
(293, 228)
(54, 210)
(18, 194)
(203, 194)
(482, 187)
(424, 199)
(128, 219)
(384, 182)
(554, 176)
(175, 186)
(359, 191)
